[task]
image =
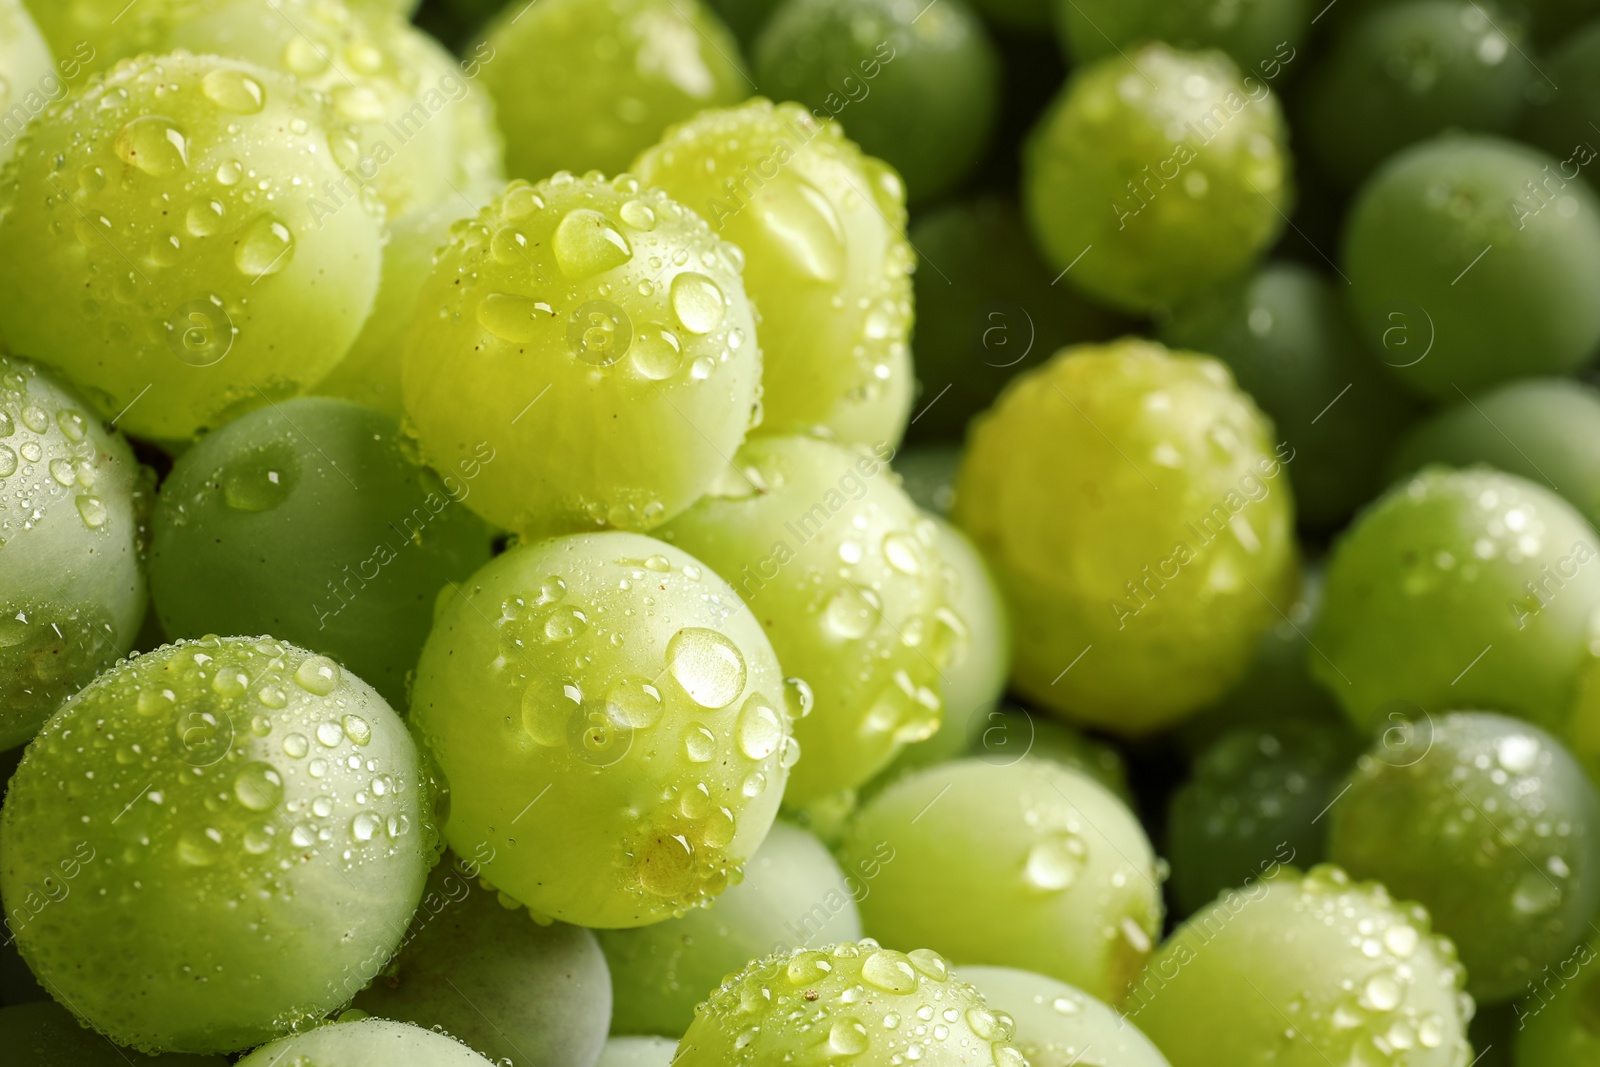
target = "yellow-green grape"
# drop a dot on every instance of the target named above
(844, 573)
(597, 336)
(793, 896)
(1029, 865)
(1557, 1022)
(1140, 524)
(1059, 1026)
(163, 215)
(876, 1006)
(366, 1043)
(44, 1034)
(1156, 175)
(588, 84)
(234, 828)
(638, 1052)
(827, 263)
(28, 76)
(73, 504)
(612, 723)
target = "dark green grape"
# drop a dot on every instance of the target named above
(1558, 1018)
(44, 1034)
(1471, 262)
(1258, 34)
(914, 84)
(1561, 123)
(1287, 337)
(307, 519)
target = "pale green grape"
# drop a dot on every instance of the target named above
(520, 993)
(27, 74)
(144, 258)
(793, 896)
(1059, 1026)
(596, 336)
(613, 725)
(73, 504)
(366, 1043)
(1029, 865)
(100, 32)
(1138, 520)
(44, 1034)
(638, 1052)
(827, 264)
(856, 999)
(844, 573)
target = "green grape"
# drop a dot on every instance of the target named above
(1102, 172)
(854, 1000)
(793, 896)
(986, 312)
(520, 993)
(1304, 971)
(1130, 505)
(1047, 870)
(1558, 1021)
(844, 573)
(1287, 336)
(100, 32)
(1059, 1026)
(1459, 588)
(627, 311)
(1257, 34)
(1492, 825)
(307, 520)
(1465, 275)
(366, 1043)
(233, 827)
(44, 1034)
(1559, 123)
(27, 74)
(1543, 429)
(928, 475)
(613, 673)
(73, 505)
(1552, 21)
(199, 274)
(638, 1052)
(1011, 732)
(915, 85)
(827, 264)
(588, 84)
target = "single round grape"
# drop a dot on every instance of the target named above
(1303, 971)
(233, 827)
(843, 572)
(27, 73)
(1559, 123)
(986, 312)
(793, 896)
(638, 1052)
(1059, 1026)
(827, 264)
(1259, 35)
(44, 1034)
(160, 246)
(1155, 176)
(1288, 338)
(914, 85)
(1457, 812)
(855, 999)
(308, 520)
(520, 993)
(1464, 276)
(73, 505)
(1558, 1022)
(1030, 865)
(623, 679)
(595, 336)
(588, 84)
(366, 1043)
(1135, 515)
(1459, 588)
(1011, 732)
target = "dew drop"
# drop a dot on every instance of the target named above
(634, 703)
(698, 303)
(1055, 863)
(707, 666)
(657, 353)
(890, 971)
(666, 865)
(699, 744)
(258, 786)
(759, 729)
(200, 848)
(637, 213)
(265, 247)
(900, 549)
(357, 730)
(513, 318)
(204, 217)
(318, 675)
(92, 510)
(585, 243)
(365, 826)
(154, 145)
(847, 1037)
(234, 90)
(851, 614)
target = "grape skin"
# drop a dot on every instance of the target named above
(638, 1052)
(26, 71)
(1057, 1025)
(366, 1043)
(1555, 1024)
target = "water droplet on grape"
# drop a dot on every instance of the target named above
(258, 786)
(318, 675)
(585, 244)
(698, 303)
(92, 510)
(154, 145)
(266, 247)
(1055, 863)
(634, 703)
(234, 90)
(890, 971)
(513, 318)
(657, 353)
(707, 666)
(759, 729)
(851, 613)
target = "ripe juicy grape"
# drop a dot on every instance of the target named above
(587, 84)
(1303, 971)
(872, 1004)
(488, 975)
(26, 71)
(308, 520)
(1558, 1025)
(1459, 588)
(1464, 276)
(1493, 826)
(233, 827)
(191, 279)
(366, 1043)
(842, 571)
(595, 335)
(1253, 32)
(793, 896)
(1153, 177)
(73, 504)
(1138, 521)
(623, 679)
(638, 1052)
(1560, 124)
(1028, 865)
(827, 265)
(1059, 1026)
(44, 1034)
(1289, 340)
(916, 86)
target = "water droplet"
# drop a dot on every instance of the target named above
(265, 247)
(852, 613)
(585, 243)
(657, 353)
(890, 971)
(700, 744)
(153, 144)
(234, 90)
(200, 848)
(357, 730)
(92, 510)
(63, 471)
(318, 675)
(513, 318)
(1382, 992)
(634, 703)
(900, 549)
(1518, 753)
(1535, 894)
(564, 624)
(329, 735)
(637, 213)
(698, 303)
(798, 699)
(72, 424)
(847, 1037)
(808, 968)
(1055, 863)
(547, 707)
(229, 172)
(296, 745)
(258, 786)
(802, 228)
(707, 666)
(204, 217)
(759, 729)
(666, 865)
(8, 461)
(365, 826)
